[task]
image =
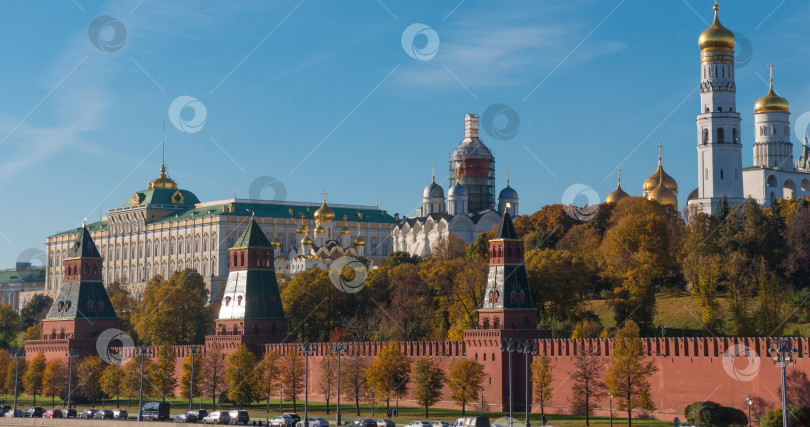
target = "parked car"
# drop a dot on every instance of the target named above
(34, 412)
(420, 424)
(217, 417)
(120, 414)
(472, 422)
(440, 424)
(52, 413)
(188, 417)
(14, 414)
(69, 412)
(156, 411)
(88, 413)
(283, 420)
(238, 417)
(199, 413)
(365, 422)
(382, 422)
(313, 422)
(294, 417)
(103, 414)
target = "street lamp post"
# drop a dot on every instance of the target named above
(611, 409)
(338, 349)
(194, 351)
(528, 348)
(281, 398)
(17, 355)
(783, 355)
(510, 348)
(372, 401)
(141, 351)
(748, 401)
(306, 349)
(70, 354)
(482, 401)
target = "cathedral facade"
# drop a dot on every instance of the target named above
(469, 208)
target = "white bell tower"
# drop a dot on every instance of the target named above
(718, 124)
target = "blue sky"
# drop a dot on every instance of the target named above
(321, 94)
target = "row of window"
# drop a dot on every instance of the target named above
(721, 136)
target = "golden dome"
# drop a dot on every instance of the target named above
(359, 241)
(306, 241)
(659, 176)
(771, 102)
(717, 36)
(663, 195)
(162, 181)
(324, 213)
(345, 230)
(300, 229)
(618, 193)
(693, 195)
(276, 243)
(319, 229)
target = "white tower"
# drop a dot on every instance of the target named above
(508, 197)
(772, 146)
(433, 197)
(718, 124)
(457, 200)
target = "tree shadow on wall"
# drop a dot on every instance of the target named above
(798, 388)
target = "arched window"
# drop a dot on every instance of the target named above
(706, 174)
(497, 323)
(734, 137)
(721, 136)
(720, 109)
(705, 136)
(486, 323)
(721, 173)
(761, 131)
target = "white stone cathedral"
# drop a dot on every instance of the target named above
(774, 174)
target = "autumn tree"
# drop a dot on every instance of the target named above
(185, 378)
(542, 378)
(449, 247)
(33, 332)
(88, 372)
(557, 280)
(32, 380)
(428, 380)
(124, 304)
(628, 377)
(213, 379)
(131, 373)
(54, 379)
(173, 311)
(15, 371)
(466, 295)
(35, 310)
(588, 384)
(242, 377)
(269, 374)
(113, 382)
(5, 361)
(161, 372)
(292, 374)
(11, 326)
(464, 380)
(353, 381)
(328, 376)
(388, 374)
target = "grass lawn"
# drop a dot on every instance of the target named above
(348, 412)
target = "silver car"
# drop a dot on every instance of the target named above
(120, 414)
(217, 417)
(313, 422)
(281, 421)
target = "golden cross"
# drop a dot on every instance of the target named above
(659, 145)
(433, 171)
(770, 65)
(619, 171)
(508, 171)
(324, 195)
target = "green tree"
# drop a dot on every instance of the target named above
(711, 414)
(185, 379)
(88, 372)
(12, 325)
(389, 372)
(464, 380)
(588, 384)
(292, 375)
(5, 361)
(242, 377)
(542, 378)
(35, 310)
(161, 373)
(628, 377)
(428, 379)
(16, 370)
(173, 311)
(54, 380)
(270, 374)
(112, 382)
(132, 377)
(33, 332)
(32, 380)
(328, 376)
(124, 305)
(213, 380)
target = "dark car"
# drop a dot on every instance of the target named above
(70, 412)
(104, 414)
(364, 422)
(238, 417)
(294, 417)
(14, 414)
(199, 413)
(382, 422)
(88, 413)
(156, 411)
(34, 412)
(52, 413)
(188, 417)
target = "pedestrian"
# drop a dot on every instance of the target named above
(544, 419)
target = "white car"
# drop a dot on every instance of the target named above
(120, 414)
(281, 421)
(217, 417)
(314, 422)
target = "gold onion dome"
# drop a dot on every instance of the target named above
(717, 36)
(771, 102)
(162, 181)
(660, 176)
(345, 230)
(325, 213)
(319, 229)
(617, 194)
(276, 243)
(359, 241)
(306, 241)
(663, 195)
(300, 229)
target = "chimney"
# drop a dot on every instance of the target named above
(471, 126)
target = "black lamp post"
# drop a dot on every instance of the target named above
(748, 402)
(528, 348)
(194, 351)
(306, 349)
(482, 401)
(338, 349)
(611, 409)
(17, 355)
(281, 398)
(509, 348)
(70, 354)
(141, 351)
(783, 355)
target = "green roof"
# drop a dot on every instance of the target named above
(163, 196)
(252, 237)
(26, 275)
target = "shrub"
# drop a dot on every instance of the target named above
(712, 414)
(799, 417)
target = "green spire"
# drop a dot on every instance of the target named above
(252, 237)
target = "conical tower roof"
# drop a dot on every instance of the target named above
(507, 229)
(83, 247)
(252, 237)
